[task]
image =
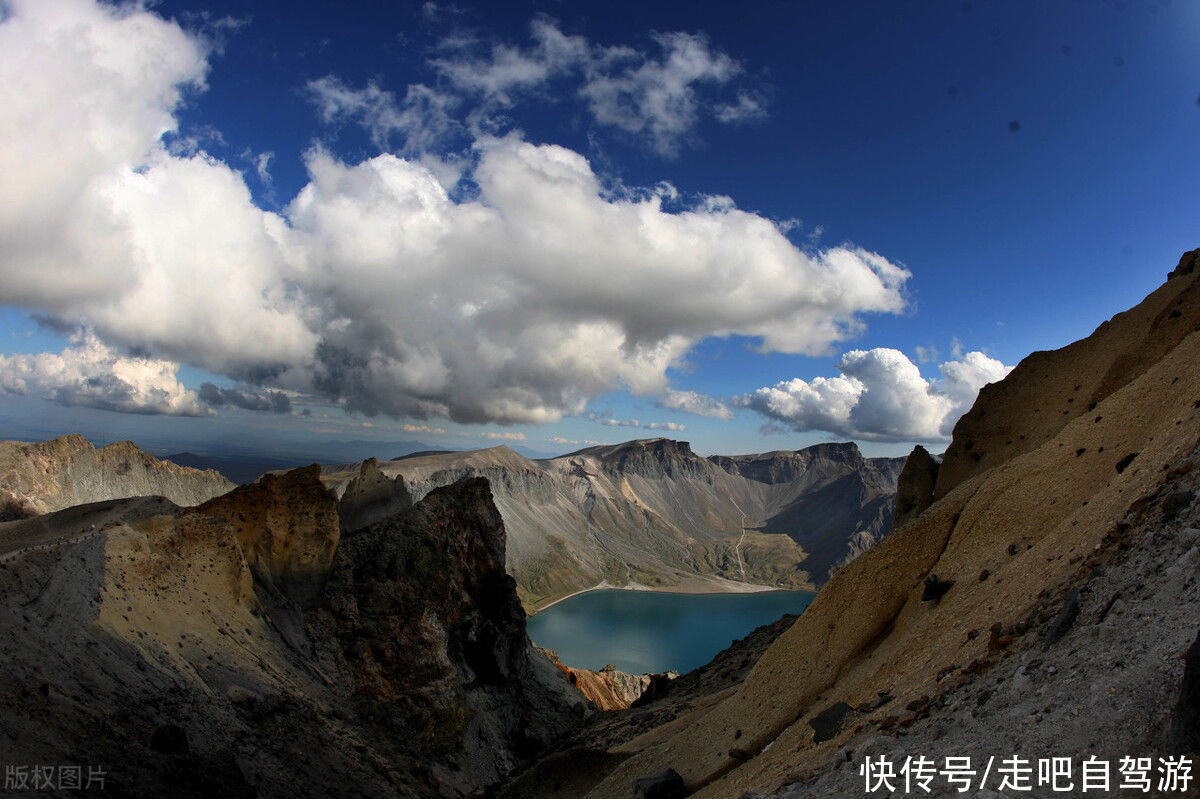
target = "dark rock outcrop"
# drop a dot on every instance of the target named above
(914, 489)
(452, 635)
(1064, 618)
(666, 784)
(935, 588)
(371, 496)
(827, 723)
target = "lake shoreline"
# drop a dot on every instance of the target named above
(696, 588)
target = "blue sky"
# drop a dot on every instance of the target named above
(526, 223)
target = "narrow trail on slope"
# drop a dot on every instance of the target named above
(44, 546)
(737, 548)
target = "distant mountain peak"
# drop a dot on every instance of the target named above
(44, 476)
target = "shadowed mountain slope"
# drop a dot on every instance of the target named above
(251, 646)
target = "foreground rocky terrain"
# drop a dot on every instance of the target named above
(1040, 597)
(653, 513)
(46, 476)
(1095, 672)
(275, 642)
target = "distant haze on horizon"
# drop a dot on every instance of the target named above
(262, 228)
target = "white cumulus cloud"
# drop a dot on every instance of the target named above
(374, 287)
(880, 395)
(88, 374)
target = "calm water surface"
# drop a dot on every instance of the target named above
(639, 631)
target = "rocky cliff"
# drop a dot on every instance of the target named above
(653, 513)
(914, 488)
(251, 647)
(46, 476)
(610, 688)
(1044, 603)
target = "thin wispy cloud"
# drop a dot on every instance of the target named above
(696, 403)
(657, 94)
(415, 123)
(503, 436)
(422, 428)
(609, 421)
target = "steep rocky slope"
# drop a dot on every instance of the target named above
(1008, 582)
(251, 646)
(47, 476)
(654, 513)
(1047, 391)
(610, 688)
(1095, 671)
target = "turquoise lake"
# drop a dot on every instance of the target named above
(640, 631)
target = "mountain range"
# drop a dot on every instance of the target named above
(643, 514)
(652, 513)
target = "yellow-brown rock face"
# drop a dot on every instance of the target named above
(287, 527)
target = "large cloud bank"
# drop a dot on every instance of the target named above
(880, 395)
(377, 286)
